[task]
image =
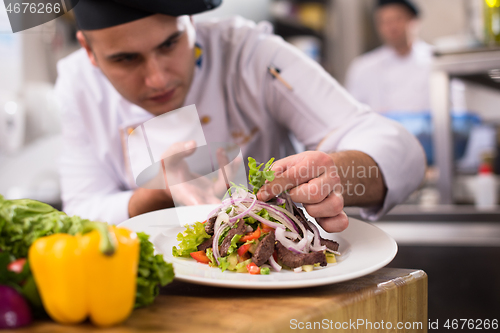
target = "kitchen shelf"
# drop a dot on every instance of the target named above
(472, 65)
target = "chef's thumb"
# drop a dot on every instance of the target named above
(178, 151)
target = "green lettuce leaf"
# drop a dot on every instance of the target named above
(152, 272)
(190, 239)
(210, 255)
(233, 245)
(223, 263)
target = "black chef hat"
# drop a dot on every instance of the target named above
(407, 3)
(100, 14)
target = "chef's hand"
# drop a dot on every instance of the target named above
(312, 179)
(190, 188)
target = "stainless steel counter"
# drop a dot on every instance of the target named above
(446, 225)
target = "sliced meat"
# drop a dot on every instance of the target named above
(334, 246)
(264, 249)
(293, 260)
(299, 214)
(226, 243)
(209, 225)
(206, 244)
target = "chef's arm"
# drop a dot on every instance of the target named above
(361, 179)
(147, 200)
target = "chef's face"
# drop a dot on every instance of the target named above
(395, 24)
(150, 61)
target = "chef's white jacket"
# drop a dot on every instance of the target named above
(233, 89)
(388, 82)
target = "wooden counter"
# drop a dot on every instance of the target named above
(388, 295)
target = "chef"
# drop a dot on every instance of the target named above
(141, 59)
(395, 76)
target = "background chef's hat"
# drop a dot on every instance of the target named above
(100, 14)
(407, 3)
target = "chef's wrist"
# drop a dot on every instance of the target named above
(148, 200)
(362, 181)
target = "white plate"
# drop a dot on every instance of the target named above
(364, 247)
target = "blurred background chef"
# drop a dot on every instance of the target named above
(394, 76)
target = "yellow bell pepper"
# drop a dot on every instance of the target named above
(90, 275)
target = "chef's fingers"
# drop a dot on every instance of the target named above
(334, 224)
(315, 190)
(333, 205)
(307, 165)
(177, 152)
(281, 165)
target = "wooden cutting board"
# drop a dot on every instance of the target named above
(389, 295)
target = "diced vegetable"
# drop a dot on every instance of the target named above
(253, 268)
(265, 270)
(265, 228)
(200, 256)
(251, 235)
(330, 258)
(233, 261)
(307, 268)
(242, 266)
(253, 247)
(244, 249)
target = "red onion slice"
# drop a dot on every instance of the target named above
(245, 212)
(274, 264)
(273, 225)
(290, 245)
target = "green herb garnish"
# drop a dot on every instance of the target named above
(256, 177)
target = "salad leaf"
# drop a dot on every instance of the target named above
(262, 213)
(223, 263)
(24, 221)
(152, 273)
(210, 255)
(233, 245)
(223, 234)
(190, 239)
(256, 177)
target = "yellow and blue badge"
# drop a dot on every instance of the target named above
(198, 54)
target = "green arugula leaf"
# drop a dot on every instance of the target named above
(256, 177)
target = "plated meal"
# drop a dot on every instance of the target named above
(247, 235)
